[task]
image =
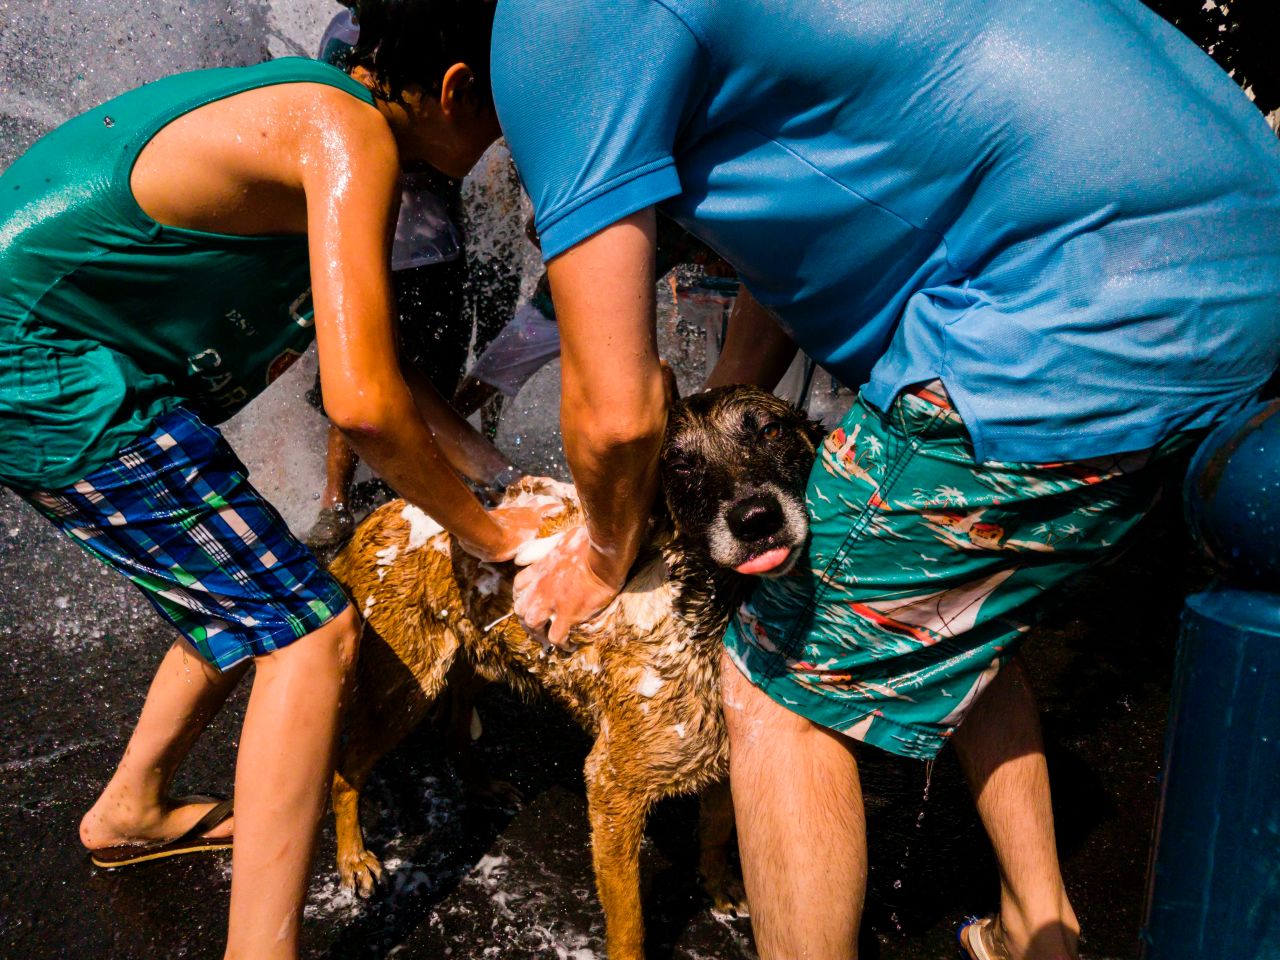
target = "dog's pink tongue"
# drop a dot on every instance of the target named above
(765, 561)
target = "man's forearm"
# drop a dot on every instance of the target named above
(613, 455)
(613, 404)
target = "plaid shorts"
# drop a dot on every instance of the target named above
(176, 514)
(924, 570)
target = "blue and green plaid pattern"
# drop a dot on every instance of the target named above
(176, 514)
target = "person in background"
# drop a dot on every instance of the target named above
(531, 339)
(163, 258)
(429, 273)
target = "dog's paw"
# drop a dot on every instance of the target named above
(361, 872)
(728, 897)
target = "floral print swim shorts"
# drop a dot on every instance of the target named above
(925, 569)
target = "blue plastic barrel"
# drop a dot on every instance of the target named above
(1214, 891)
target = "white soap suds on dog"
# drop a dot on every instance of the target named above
(527, 499)
(421, 527)
(387, 555)
(649, 684)
(679, 729)
(531, 551)
(488, 581)
(368, 604)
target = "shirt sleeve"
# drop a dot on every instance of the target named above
(591, 95)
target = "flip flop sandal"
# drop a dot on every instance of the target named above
(979, 940)
(193, 841)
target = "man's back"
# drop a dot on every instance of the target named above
(991, 194)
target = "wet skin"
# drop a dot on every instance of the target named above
(318, 161)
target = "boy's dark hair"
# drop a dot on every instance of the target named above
(403, 42)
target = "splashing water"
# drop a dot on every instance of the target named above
(912, 840)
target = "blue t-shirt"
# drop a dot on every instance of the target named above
(1064, 210)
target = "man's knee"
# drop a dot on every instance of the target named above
(751, 714)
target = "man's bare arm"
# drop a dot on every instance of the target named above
(612, 403)
(613, 413)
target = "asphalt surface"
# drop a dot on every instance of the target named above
(78, 648)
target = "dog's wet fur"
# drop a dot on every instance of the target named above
(644, 679)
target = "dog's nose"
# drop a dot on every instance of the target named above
(755, 518)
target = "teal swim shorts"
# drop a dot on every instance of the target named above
(925, 570)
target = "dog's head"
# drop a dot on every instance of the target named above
(734, 466)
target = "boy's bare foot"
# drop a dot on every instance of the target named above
(115, 820)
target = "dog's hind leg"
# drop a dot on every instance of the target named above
(617, 816)
(715, 840)
(395, 687)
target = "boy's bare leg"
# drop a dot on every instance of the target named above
(283, 771)
(1002, 754)
(801, 831)
(135, 806)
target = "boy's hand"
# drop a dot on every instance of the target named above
(562, 589)
(518, 526)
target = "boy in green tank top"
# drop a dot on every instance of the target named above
(163, 257)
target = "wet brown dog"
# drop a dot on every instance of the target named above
(645, 677)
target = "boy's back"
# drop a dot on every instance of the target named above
(108, 318)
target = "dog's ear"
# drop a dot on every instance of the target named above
(815, 431)
(669, 384)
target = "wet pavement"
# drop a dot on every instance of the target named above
(77, 648)
(477, 882)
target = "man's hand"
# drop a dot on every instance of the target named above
(562, 589)
(519, 525)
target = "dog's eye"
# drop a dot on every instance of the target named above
(680, 466)
(771, 431)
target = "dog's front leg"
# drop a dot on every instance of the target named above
(617, 824)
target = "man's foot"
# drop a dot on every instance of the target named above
(333, 527)
(985, 938)
(980, 939)
(113, 822)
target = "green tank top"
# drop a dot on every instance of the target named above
(107, 318)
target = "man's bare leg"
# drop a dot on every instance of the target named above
(283, 771)
(135, 806)
(801, 831)
(1002, 754)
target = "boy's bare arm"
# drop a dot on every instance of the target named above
(349, 169)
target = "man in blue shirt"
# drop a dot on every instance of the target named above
(1044, 240)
